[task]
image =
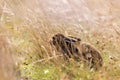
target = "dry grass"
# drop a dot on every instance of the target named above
(25, 52)
(7, 65)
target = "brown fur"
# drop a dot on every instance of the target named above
(89, 54)
(72, 47)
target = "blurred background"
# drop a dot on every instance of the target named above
(26, 26)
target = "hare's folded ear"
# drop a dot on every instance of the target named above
(78, 39)
(77, 43)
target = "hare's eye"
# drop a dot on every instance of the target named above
(53, 38)
(79, 39)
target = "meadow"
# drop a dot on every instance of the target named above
(27, 26)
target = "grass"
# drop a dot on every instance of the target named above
(26, 35)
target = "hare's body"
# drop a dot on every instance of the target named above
(89, 54)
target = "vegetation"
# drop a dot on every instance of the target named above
(25, 52)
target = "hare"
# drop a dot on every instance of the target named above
(72, 47)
